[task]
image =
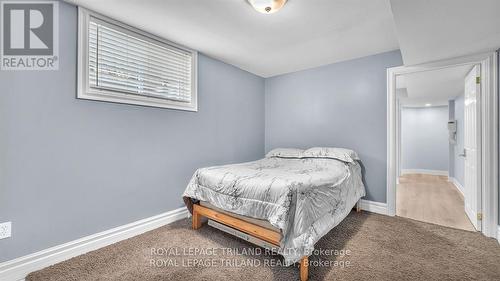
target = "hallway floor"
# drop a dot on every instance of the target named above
(431, 199)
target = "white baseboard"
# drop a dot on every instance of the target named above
(469, 212)
(457, 185)
(17, 269)
(424, 171)
(374, 207)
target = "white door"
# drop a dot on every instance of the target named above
(472, 147)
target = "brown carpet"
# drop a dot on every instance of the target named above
(375, 247)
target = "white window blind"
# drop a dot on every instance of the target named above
(130, 66)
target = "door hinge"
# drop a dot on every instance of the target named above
(479, 216)
(478, 80)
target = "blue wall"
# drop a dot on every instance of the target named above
(71, 168)
(424, 138)
(342, 104)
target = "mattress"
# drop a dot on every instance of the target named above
(304, 198)
(259, 222)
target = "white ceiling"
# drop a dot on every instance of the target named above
(434, 87)
(302, 35)
(431, 30)
(307, 33)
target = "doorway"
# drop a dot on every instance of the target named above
(431, 133)
(485, 155)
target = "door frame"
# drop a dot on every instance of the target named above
(489, 132)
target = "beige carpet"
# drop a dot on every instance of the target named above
(375, 247)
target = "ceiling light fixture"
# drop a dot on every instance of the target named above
(428, 104)
(267, 6)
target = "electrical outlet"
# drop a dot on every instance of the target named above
(5, 230)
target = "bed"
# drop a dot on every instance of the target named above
(289, 199)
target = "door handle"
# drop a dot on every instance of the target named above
(463, 154)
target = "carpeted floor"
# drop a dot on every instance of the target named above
(363, 247)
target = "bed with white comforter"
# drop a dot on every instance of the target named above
(303, 194)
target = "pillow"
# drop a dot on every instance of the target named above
(285, 153)
(342, 154)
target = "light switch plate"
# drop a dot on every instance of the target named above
(5, 230)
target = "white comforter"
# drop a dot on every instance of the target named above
(305, 198)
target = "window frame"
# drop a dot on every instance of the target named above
(86, 92)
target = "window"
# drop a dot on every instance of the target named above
(118, 63)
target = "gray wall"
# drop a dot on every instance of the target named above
(424, 138)
(71, 168)
(458, 162)
(342, 104)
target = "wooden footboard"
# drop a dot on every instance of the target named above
(257, 231)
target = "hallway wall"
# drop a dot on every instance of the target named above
(424, 138)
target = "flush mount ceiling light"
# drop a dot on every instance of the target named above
(267, 6)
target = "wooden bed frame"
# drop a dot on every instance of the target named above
(257, 231)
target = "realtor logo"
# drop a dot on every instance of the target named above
(29, 35)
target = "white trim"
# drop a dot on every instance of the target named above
(374, 207)
(424, 171)
(458, 185)
(469, 213)
(498, 234)
(399, 169)
(489, 132)
(489, 144)
(17, 269)
(84, 91)
(392, 130)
